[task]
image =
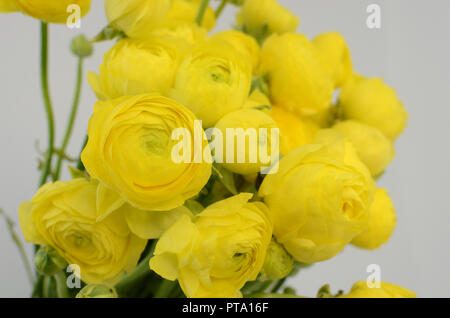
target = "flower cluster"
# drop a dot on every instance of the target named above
(223, 228)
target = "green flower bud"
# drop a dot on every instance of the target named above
(81, 46)
(97, 291)
(278, 263)
(289, 290)
(48, 261)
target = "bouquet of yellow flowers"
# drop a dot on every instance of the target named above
(215, 164)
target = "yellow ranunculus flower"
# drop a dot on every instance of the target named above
(294, 130)
(266, 16)
(250, 148)
(374, 149)
(219, 251)
(382, 222)
(212, 81)
(64, 216)
(189, 33)
(9, 6)
(372, 102)
(187, 10)
(130, 150)
(298, 80)
(387, 290)
(246, 45)
(134, 67)
(54, 11)
(335, 56)
(319, 199)
(138, 18)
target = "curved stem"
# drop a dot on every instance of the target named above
(73, 112)
(18, 242)
(220, 8)
(278, 285)
(47, 103)
(201, 11)
(140, 271)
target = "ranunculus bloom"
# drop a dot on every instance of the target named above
(372, 102)
(374, 149)
(294, 130)
(387, 290)
(64, 215)
(266, 16)
(319, 199)
(244, 43)
(381, 224)
(217, 253)
(297, 76)
(212, 81)
(138, 18)
(252, 148)
(9, 6)
(134, 67)
(335, 56)
(54, 11)
(130, 150)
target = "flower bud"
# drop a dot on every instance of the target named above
(81, 46)
(278, 263)
(48, 261)
(97, 291)
(374, 149)
(386, 290)
(372, 102)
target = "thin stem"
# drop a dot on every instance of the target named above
(141, 270)
(278, 285)
(61, 285)
(220, 8)
(47, 103)
(20, 247)
(201, 11)
(73, 113)
(165, 289)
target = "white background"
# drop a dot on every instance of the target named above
(411, 52)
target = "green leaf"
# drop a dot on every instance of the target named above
(226, 177)
(76, 173)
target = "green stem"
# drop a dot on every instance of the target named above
(278, 285)
(69, 128)
(141, 270)
(201, 11)
(47, 103)
(165, 288)
(20, 247)
(61, 285)
(37, 290)
(220, 8)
